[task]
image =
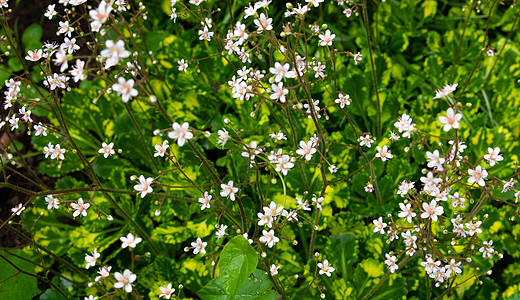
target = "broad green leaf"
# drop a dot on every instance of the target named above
(13, 284)
(51, 295)
(237, 261)
(393, 288)
(31, 36)
(257, 287)
(367, 274)
(344, 248)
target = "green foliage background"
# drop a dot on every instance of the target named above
(417, 48)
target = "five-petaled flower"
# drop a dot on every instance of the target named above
(107, 150)
(477, 176)
(228, 190)
(326, 39)
(80, 207)
(493, 156)
(144, 186)
(379, 225)
(199, 246)
(205, 201)
(432, 210)
(125, 89)
(125, 280)
(451, 120)
(91, 260)
(166, 291)
(383, 153)
(181, 133)
(325, 268)
(129, 241)
(269, 238)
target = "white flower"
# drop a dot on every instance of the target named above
(453, 266)
(107, 150)
(487, 250)
(366, 141)
(263, 23)
(409, 239)
(61, 60)
(125, 89)
(161, 149)
(280, 72)
(125, 280)
(205, 200)
(343, 99)
(34, 55)
(91, 260)
(457, 200)
(58, 153)
(383, 153)
(493, 156)
(451, 120)
(52, 202)
(199, 246)
(223, 137)
(100, 15)
(166, 291)
(390, 262)
(104, 272)
(40, 130)
(129, 241)
(285, 163)
(474, 227)
(325, 268)
(406, 212)
(228, 190)
(50, 12)
(434, 160)
(269, 238)
(326, 39)
(508, 185)
(78, 71)
(404, 123)
(358, 57)
(182, 65)
(315, 3)
(306, 150)
(18, 209)
(279, 92)
(221, 231)
(144, 186)
(303, 204)
(70, 45)
(274, 269)
(379, 225)
(65, 28)
(114, 52)
(432, 210)
(478, 175)
(80, 207)
(180, 133)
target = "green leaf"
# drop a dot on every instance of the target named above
(13, 284)
(367, 274)
(237, 261)
(51, 295)
(344, 248)
(31, 36)
(257, 287)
